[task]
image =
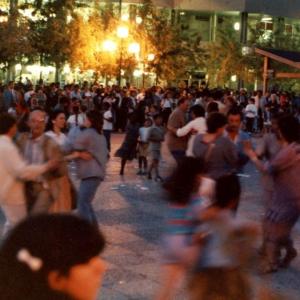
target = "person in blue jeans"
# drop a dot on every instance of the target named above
(90, 169)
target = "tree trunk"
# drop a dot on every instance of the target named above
(57, 70)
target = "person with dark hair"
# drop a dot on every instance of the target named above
(227, 246)
(177, 145)
(284, 208)
(76, 119)
(156, 136)
(179, 250)
(107, 123)
(212, 107)
(196, 126)
(64, 200)
(13, 171)
(235, 134)
(90, 168)
(127, 151)
(251, 115)
(9, 96)
(143, 147)
(52, 257)
(56, 125)
(218, 152)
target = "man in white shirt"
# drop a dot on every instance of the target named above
(107, 124)
(196, 126)
(250, 114)
(13, 170)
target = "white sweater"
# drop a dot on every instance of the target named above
(13, 170)
(198, 125)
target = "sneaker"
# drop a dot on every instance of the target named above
(149, 176)
(139, 172)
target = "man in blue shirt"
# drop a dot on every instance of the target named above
(237, 135)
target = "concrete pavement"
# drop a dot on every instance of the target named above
(131, 212)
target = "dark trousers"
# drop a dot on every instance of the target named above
(249, 124)
(178, 155)
(107, 134)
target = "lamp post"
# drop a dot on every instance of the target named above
(122, 33)
(150, 58)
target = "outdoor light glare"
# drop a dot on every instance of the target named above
(122, 32)
(134, 48)
(67, 69)
(3, 19)
(69, 19)
(266, 19)
(18, 67)
(34, 69)
(138, 20)
(109, 45)
(246, 50)
(137, 73)
(151, 57)
(237, 26)
(233, 78)
(125, 17)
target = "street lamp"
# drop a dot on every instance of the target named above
(122, 33)
(134, 48)
(151, 57)
(138, 20)
(109, 46)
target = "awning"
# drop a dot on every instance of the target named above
(290, 58)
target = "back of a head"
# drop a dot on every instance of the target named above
(184, 180)
(198, 111)
(228, 191)
(59, 242)
(7, 121)
(215, 121)
(96, 120)
(289, 128)
(212, 107)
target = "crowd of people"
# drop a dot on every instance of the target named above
(209, 133)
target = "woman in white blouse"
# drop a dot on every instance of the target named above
(56, 125)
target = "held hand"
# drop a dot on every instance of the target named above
(85, 155)
(248, 149)
(193, 132)
(52, 164)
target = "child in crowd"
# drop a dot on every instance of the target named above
(155, 138)
(127, 151)
(179, 250)
(143, 147)
(152, 111)
(107, 124)
(250, 114)
(226, 247)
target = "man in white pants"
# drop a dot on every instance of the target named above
(13, 171)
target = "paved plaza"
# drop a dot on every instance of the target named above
(131, 213)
